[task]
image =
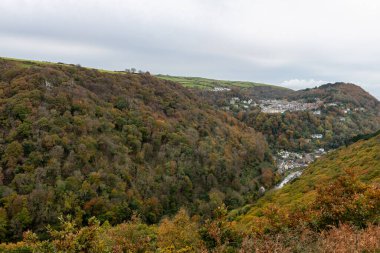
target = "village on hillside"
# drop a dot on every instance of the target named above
(275, 106)
(281, 106)
(290, 165)
(287, 160)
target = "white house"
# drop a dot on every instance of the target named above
(317, 136)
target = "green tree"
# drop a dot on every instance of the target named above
(3, 224)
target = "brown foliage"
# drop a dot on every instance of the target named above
(347, 200)
(347, 239)
(342, 239)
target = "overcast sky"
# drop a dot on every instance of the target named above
(295, 43)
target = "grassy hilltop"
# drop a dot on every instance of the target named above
(206, 83)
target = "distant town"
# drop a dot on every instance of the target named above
(278, 106)
(291, 164)
(281, 106)
(287, 160)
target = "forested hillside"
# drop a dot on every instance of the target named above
(347, 93)
(359, 163)
(333, 207)
(82, 142)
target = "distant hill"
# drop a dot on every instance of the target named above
(341, 112)
(363, 157)
(347, 93)
(331, 92)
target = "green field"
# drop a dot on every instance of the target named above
(205, 83)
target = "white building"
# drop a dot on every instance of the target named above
(317, 136)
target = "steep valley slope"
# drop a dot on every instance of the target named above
(361, 160)
(82, 142)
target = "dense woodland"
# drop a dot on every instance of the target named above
(86, 143)
(340, 213)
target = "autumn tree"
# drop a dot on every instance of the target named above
(347, 200)
(179, 233)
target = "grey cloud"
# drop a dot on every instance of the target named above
(268, 41)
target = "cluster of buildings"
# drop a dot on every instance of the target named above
(281, 106)
(245, 103)
(220, 89)
(317, 136)
(294, 163)
(287, 160)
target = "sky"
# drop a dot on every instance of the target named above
(294, 43)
